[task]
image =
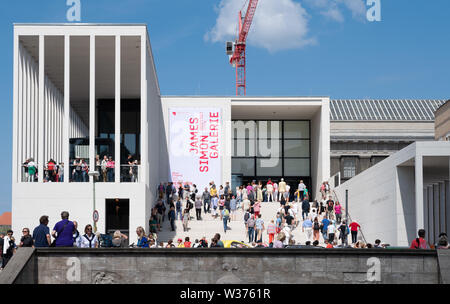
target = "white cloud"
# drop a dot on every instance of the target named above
(333, 8)
(333, 13)
(277, 25)
(357, 7)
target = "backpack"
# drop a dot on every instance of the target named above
(105, 241)
(246, 216)
(226, 212)
(316, 226)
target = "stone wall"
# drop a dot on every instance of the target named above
(210, 266)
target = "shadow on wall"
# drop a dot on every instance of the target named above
(406, 183)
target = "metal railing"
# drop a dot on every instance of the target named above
(28, 178)
(48, 176)
(349, 219)
(78, 176)
(130, 173)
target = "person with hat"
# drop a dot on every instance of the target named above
(180, 243)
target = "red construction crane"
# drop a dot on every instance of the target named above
(237, 57)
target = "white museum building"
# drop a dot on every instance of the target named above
(87, 99)
(85, 92)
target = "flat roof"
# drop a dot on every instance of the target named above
(80, 24)
(238, 97)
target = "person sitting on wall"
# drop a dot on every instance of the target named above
(420, 242)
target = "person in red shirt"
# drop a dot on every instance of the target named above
(187, 244)
(354, 230)
(420, 242)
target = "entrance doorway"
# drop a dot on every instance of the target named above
(117, 215)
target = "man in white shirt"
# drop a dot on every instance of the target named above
(286, 194)
(301, 189)
(281, 188)
(245, 204)
(331, 230)
(287, 232)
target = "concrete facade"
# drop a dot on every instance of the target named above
(442, 122)
(315, 109)
(388, 200)
(228, 266)
(60, 74)
(364, 132)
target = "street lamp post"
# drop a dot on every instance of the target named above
(94, 175)
(346, 205)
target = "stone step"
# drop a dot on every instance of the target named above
(209, 226)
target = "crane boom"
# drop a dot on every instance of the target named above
(238, 57)
(248, 20)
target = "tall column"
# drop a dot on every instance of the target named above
(92, 107)
(66, 112)
(41, 108)
(117, 156)
(144, 125)
(419, 192)
(16, 165)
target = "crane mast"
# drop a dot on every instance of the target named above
(237, 50)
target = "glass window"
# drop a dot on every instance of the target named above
(349, 167)
(244, 166)
(376, 159)
(269, 129)
(296, 148)
(296, 129)
(244, 148)
(269, 167)
(244, 129)
(296, 167)
(269, 147)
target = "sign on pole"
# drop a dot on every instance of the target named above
(95, 216)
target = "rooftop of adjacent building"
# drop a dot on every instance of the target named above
(5, 219)
(384, 110)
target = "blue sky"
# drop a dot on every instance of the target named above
(299, 47)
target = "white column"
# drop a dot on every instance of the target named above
(19, 98)
(92, 107)
(31, 122)
(41, 108)
(419, 192)
(144, 126)
(65, 148)
(17, 164)
(52, 122)
(117, 109)
(46, 120)
(27, 107)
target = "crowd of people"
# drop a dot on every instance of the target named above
(79, 170)
(319, 221)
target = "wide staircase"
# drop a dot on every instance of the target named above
(209, 226)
